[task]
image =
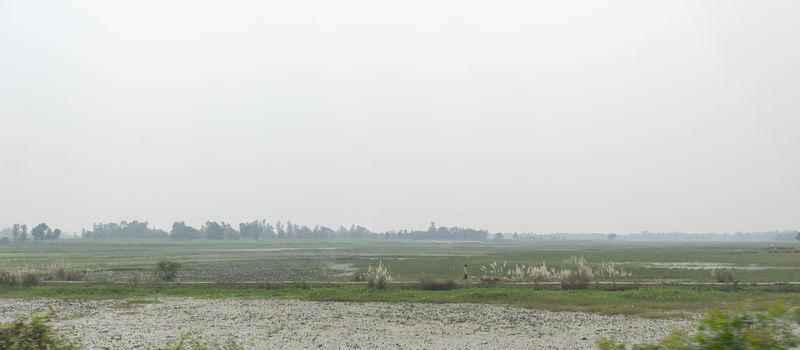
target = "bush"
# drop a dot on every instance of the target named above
(29, 279)
(427, 283)
(60, 273)
(726, 330)
(576, 273)
(33, 334)
(7, 278)
(167, 270)
(378, 277)
(723, 275)
(612, 271)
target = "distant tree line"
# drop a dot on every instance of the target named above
(134, 229)
(645, 236)
(41, 232)
(262, 230)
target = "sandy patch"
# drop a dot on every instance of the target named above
(291, 324)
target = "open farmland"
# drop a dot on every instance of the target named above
(262, 293)
(341, 260)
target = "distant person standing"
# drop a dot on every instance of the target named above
(466, 273)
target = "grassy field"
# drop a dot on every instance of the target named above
(115, 268)
(264, 261)
(648, 302)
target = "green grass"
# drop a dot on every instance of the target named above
(657, 302)
(228, 262)
(337, 260)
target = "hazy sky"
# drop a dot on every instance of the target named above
(535, 116)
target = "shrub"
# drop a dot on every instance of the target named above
(426, 283)
(576, 273)
(29, 279)
(611, 271)
(495, 269)
(7, 278)
(33, 333)
(495, 272)
(167, 270)
(61, 273)
(535, 273)
(726, 330)
(723, 275)
(378, 277)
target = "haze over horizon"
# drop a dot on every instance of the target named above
(526, 116)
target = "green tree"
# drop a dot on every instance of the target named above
(213, 230)
(182, 231)
(40, 231)
(280, 230)
(15, 232)
(291, 229)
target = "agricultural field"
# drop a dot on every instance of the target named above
(341, 261)
(260, 293)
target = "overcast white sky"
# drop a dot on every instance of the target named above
(535, 116)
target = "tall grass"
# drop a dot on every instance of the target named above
(378, 277)
(62, 272)
(575, 273)
(18, 276)
(612, 271)
(723, 275)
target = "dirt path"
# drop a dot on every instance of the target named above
(290, 324)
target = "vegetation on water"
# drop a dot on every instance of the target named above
(772, 330)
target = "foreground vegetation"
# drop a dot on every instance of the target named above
(657, 302)
(719, 330)
(36, 333)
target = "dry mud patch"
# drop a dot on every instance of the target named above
(291, 324)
